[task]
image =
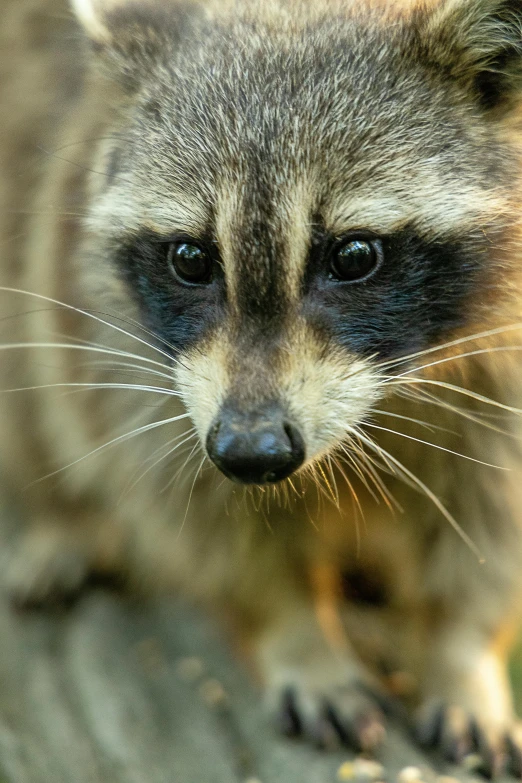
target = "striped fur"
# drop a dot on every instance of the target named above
(267, 132)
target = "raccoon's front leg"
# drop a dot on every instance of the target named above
(466, 698)
(316, 689)
(49, 558)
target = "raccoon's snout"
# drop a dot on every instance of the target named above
(262, 447)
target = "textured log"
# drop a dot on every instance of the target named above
(122, 693)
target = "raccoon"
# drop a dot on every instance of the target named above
(261, 338)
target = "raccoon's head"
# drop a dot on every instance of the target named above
(303, 192)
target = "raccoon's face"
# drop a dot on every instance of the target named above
(303, 196)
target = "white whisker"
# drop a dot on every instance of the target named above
(427, 425)
(459, 390)
(173, 479)
(118, 366)
(126, 386)
(372, 468)
(422, 396)
(114, 441)
(435, 446)
(117, 352)
(334, 483)
(198, 471)
(358, 509)
(87, 314)
(189, 435)
(452, 343)
(358, 469)
(446, 359)
(425, 489)
(107, 351)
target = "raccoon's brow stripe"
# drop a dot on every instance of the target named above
(122, 211)
(435, 213)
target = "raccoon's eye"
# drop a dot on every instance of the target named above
(356, 260)
(189, 263)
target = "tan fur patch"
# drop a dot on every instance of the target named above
(203, 380)
(118, 213)
(435, 208)
(327, 394)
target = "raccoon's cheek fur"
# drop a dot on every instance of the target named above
(263, 417)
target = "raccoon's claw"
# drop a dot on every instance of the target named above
(447, 728)
(346, 717)
(458, 735)
(514, 749)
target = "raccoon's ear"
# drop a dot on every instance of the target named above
(131, 34)
(109, 22)
(478, 43)
(94, 18)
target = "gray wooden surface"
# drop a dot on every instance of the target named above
(122, 693)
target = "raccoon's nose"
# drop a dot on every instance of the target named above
(258, 448)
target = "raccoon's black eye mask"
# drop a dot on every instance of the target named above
(418, 291)
(376, 296)
(178, 283)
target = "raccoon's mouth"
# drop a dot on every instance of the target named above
(255, 447)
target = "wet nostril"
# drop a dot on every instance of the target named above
(290, 433)
(296, 441)
(270, 478)
(212, 437)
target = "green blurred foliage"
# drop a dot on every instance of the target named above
(516, 676)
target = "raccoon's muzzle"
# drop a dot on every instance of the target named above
(256, 447)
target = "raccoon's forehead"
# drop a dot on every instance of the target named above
(333, 120)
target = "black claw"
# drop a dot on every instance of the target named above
(490, 766)
(324, 735)
(344, 729)
(390, 706)
(457, 742)
(288, 720)
(353, 732)
(455, 749)
(330, 727)
(476, 736)
(429, 732)
(514, 763)
(493, 761)
(494, 757)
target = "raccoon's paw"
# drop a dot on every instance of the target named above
(458, 734)
(46, 566)
(341, 715)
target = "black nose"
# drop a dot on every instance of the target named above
(255, 448)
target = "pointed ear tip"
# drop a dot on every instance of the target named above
(90, 17)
